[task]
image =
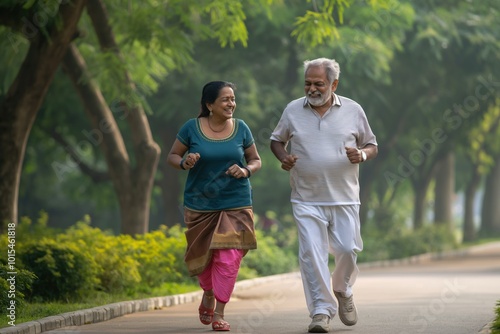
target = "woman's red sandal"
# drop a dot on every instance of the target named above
(206, 314)
(221, 325)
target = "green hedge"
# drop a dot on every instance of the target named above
(398, 243)
(14, 290)
(63, 271)
(269, 258)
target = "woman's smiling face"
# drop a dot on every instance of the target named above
(224, 105)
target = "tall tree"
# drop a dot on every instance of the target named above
(490, 211)
(442, 71)
(481, 161)
(133, 184)
(490, 158)
(48, 40)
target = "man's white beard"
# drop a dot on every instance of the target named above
(320, 100)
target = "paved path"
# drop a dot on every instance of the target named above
(452, 295)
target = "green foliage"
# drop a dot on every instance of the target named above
(483, 149)
(14, 287)
(63, 271)
(26, 230)
(495, 328)
(127, 264)
(11, 61)
(322, 25)
(401, 242)
(155, 38)
(318, 26)
(280, 228)
(116, 269)
(269, 259)
(227, 21)
(313, 22)
(161, 256)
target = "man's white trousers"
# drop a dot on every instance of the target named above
(324, 230)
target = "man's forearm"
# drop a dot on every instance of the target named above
(278, 149)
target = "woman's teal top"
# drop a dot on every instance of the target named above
(208, 188)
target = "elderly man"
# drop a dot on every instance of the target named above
(329, 137)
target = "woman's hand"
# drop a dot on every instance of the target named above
(191, 160)
(237, 172)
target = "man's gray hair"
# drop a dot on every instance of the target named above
(331, 67)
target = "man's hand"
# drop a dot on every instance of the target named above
(288, 162)
(354, 155)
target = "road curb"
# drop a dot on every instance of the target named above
(110, 311)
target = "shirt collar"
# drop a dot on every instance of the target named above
(336, 101)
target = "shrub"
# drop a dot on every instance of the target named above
(400, 242)
(26, 230)
(22, 285)
(161, 255)
(63, 272)
(268, 259)
(495, 328)
(127, 264)
(116, 269)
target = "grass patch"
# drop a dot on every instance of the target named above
(495, 328)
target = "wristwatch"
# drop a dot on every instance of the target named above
(363, 156)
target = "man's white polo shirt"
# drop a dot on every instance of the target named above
(323, 175)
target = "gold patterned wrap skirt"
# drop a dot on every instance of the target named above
(216, 230)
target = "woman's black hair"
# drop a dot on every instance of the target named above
(210, 93)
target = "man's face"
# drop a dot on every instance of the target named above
(318, 90)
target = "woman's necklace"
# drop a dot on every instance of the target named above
(225, 125)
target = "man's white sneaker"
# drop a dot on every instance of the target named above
(319, 324)
(347, 310)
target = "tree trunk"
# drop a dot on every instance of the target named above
(170, 185)
(419, 206)
(444, 191)
(420, 184)
(490, 212)
(420, 187)
(469, 230)
(132, 185)
(19, 107)
(146, 150)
